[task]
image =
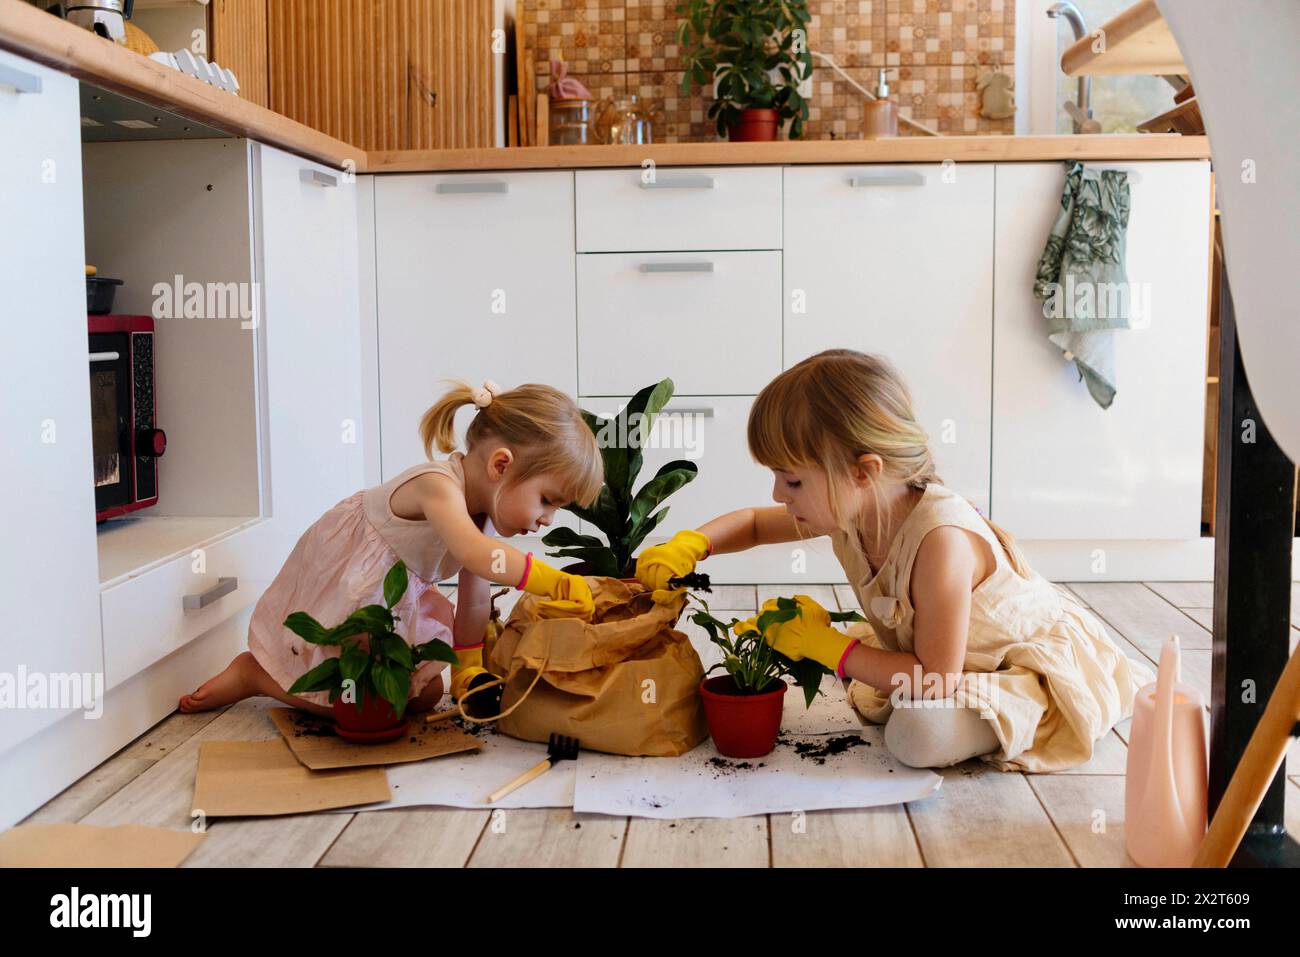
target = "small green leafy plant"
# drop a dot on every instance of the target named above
(381, 665)
(754, 664)
(742, 42)
(624, 516)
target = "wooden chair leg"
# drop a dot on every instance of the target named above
(1258, 766)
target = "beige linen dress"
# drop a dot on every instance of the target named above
(1038, 664)
(339, 564)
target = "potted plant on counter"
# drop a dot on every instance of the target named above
(370, 679)
(756, 54)
(624, 516)
(743, 707)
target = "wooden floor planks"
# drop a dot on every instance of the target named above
(979, 817)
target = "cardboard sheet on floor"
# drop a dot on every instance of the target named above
(804, 773)
(262, 778)
(464, 780)
(314, 742)
(86, 845)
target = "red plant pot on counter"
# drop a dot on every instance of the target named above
(742, 725)
(373, 723)
(755, 125)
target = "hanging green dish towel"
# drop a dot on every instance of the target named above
(1082, 278)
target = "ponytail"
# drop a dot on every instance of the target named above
(438, 425)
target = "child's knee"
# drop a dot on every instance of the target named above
(911, 738)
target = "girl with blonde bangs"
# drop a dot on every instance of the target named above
(969, 652)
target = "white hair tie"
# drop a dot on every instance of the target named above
(483, 397)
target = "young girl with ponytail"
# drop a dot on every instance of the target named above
(529, 453)
(970, 652)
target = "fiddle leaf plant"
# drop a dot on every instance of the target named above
(374, 659)
(625, 516)
(754, 664)
(757, 50)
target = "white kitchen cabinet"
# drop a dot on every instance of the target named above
(711, 321)
(734, 207)
(307, 225)
(1063, 467)
(475, 280)
(48, 564)
(709, 431)
(898, 261)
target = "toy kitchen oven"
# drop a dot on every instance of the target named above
(125, 439)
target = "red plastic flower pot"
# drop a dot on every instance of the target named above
(755, 125)
(742, 725)
(373, 723)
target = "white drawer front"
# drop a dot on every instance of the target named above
(691, 208)
(709, 431)
(145, 618)
(710, 320)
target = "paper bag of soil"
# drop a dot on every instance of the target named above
(624, 683)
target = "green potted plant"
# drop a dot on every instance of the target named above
(370, 679)
(757, 51)
(624, 516)
(743, 707)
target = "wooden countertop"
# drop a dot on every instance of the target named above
(32, 33)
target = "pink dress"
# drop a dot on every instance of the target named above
(339, 565)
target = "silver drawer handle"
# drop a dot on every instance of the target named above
(695, 181)
(221, 589)
(315, 177)
(704, 411)
(18, 80)
(475, 186)
(887, 179)
(104, 356)
(677, 267)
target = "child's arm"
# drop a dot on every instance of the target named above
(443, 505)
(473, 606)
(948, 567)
(747, 527)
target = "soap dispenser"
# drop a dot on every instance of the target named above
(880, 116)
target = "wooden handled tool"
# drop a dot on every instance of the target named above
(559, 748)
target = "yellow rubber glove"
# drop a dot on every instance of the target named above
(676, 557)
(808, 636)
(470, 663)
(570, 594)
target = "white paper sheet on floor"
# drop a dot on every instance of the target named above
(464, 780)
(698, 784)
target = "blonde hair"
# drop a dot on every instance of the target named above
(836, 405)
(541, 425)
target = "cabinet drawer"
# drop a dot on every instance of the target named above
(145, 618)
(694, 208)
(710, 321)
(709, 431)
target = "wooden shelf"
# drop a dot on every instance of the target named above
(1137, 41)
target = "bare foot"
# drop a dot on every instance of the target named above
(427, 699)
(241, 679)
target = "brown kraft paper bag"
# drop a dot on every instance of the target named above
(624, 683)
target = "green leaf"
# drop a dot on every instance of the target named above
(392, 683)
(324, 676)
(667, 480)
(309, 629)
(353, 662)
(437, 650)
(638, 534)
(846, 616)
(395, 584)
(568, 538)
(393, 648)
(603, 561)
(370, 620)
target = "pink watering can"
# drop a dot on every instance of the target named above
(1167, 781)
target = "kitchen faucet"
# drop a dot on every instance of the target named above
(1081, 115)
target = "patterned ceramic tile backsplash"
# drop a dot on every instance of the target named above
(936, 50)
